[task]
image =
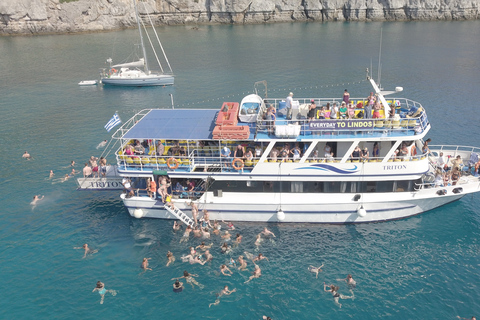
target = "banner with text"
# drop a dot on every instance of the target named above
(320, 125)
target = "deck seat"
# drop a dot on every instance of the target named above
(161, 161)
(404, 123)
(129, 160)
(412, 124)
(248, 163)
(395, 124)
(137, 160)
(379, 124)
(388, 124)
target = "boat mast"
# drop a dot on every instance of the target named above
(141, 37)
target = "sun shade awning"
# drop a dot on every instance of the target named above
(178, 124)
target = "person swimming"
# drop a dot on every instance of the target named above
(336, 296)
(144, 265)
(102, 291)
(224, 269)
(102, 144)
(255, 274)
(36, 198)
(224, 292)
(170, 257)
(177, 286)
(190, 279)
(315, 270)
(349, 280)
(243, 264)
(87, 250)
(259, 257)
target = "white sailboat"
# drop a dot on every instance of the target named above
(137, 73)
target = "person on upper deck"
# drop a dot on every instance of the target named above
(322, 113)
(296, 152)
(334, 111)
(288, 105)
(356, 153)
(369, 106)
(343, 111)
(376, 150)
(376, 110)
(346, 97)
(270, 118)
(160, 148)
(311, 110)
(425, 148)
(274, 154)
(328, 150)
(351, 110)
(249, 155)
(327, 110)
(285, 152)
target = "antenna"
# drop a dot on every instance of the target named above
(379, 60)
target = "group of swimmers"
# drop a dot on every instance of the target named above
(204, 229)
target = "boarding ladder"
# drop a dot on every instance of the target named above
(180, 215)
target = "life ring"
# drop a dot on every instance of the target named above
(240, 166)
(114, 70)
(172, 163)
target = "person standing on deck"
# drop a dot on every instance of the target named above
(288, 105)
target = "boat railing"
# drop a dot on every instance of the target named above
(129, 124)
(412, 119)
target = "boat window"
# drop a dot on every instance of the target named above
(385, 186)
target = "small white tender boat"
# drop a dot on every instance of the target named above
(88, 83)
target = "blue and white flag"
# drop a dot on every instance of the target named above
(113, 122)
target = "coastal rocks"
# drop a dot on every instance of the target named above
(61, 16)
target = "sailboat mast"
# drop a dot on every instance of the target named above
(141, 36)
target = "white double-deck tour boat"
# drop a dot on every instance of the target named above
(324, 178)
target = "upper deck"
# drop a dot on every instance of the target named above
(200, 124)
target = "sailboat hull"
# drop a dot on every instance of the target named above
(145, 81)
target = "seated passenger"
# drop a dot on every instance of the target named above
(351, 110)
(321, 113)
(311, 110)
(456, 174)
(343, 111)
(139, 149)
(364, 155)
(160, 148)
(285, 152)
(457, 163)
(129, 150)
(182, 152)
(249, 155)
(376, 110)
(258, 151)
(334, 111)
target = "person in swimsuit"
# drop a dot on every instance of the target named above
(239, 152)
(144, 265)
(225, 248)
(315, 270)
(224, 269)
(51, 175)
(102, 291)
(346, 97)
(258, 240)
(224, 292)
(226, 236)
(190, 279)
(208, 256)
(170, 257)
(26, 155)
(349, 280)
(204, 247)
(455, 175)
(176, 226)
(376, 150)
(186, 234)
(87, 250)
(260, 257)
(194, 211)
(36, 198)
(336, 296)
(243, 264)
(255, 274)
(425, 149)
(205, 233)
(267, 232)
(238, 238)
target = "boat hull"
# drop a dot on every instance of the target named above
(263, 209)
(148, 81)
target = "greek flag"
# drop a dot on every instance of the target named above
(113, 122)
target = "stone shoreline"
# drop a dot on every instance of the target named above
(27, 17)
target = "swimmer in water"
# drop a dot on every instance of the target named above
(315, 270)
(203, 246)
(145, 264)
(260, 257)
(101, 290)
(72, 164)
(225, 248)
(196, 232)
(51, 174)
(255, 274)
(243, 264)
(349, 280)
(259, 239)
(232, 262)
(190, 279)
(224, 268)
(87, 250)
(267, 232)
(207, 255)
(170, 257)
(472, 318)
(336, 296)
(224, 292)
(186, 234)
(205, 233)
(176, 226)
(178, 286)
(102, 144)
(26, 155)
(65, 178)
(36, 198)
(238, 238)
(226, 236)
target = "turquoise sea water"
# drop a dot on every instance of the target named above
(422, 267)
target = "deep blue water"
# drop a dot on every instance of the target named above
(424, 266)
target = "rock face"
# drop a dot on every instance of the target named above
(63, 16)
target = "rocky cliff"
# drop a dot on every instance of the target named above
(61, 16)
